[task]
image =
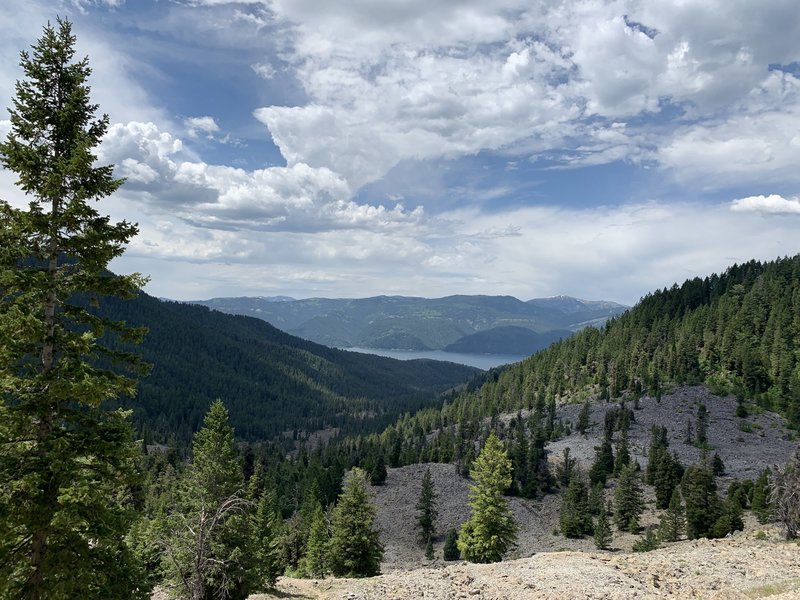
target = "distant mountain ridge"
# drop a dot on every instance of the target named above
(272, 382)
(414, 323)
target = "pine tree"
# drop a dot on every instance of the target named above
(65, 459)
(603, 536)
(673, 522)
(264, 536)
(354, 549)
(628, 500)
(701, 436)
(207, 552)
(583, 418)
(490, 531)
(603, 464)
(760, 504)
(450, 550)
(575, 519)
(429, 549)
(314, 563)
(426, 507)
(703, 506)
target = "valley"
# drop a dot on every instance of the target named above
(463, 324)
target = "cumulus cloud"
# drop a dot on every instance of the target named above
(165, 177)
(772, 204)
(201, 126)
(428, 80)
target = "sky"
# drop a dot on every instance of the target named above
(599, 149)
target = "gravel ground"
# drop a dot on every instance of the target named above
(739, 567)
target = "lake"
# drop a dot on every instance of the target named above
(481, 361)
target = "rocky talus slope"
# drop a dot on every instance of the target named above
(755, 564)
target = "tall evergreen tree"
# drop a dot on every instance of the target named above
(603, 536)
(207, 554)
(760, 504)
(628, 500)
(426, 507)
(266, 553)
(490, 531)
(673, 522)
(65, 459)
(354, 549)
(315, 561)
(575, 518)
(703, 506)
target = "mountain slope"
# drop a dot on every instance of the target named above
(507, 340)
(399, 322)
(271, 381)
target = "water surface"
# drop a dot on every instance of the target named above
(481, 361)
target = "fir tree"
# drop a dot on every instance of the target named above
(265, 546)
(628, 500)
(603, 536)
(65, 459)
(565, 469)
(760, 504)
(701, 435)
(490, 531)
(603, 464)
(583, 418)
(575, 520)
(429, 549)
(314, 563)
(354, 549)
(703, 506)
(450, 550)
(673, 522)
(647, 542)
(426, 507)
(207, 552)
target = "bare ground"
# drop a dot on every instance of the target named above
(739, 567)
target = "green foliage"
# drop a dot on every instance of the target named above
(565, 469)
(450, 550)
(575, 519)
(209, 551)
(603, 536)
(673, 522)
(628, 500)
(490, 531)
(729, 521)
(315, 561)
(603, 464)
(354, 549)
(429, 549)
(66, 460)
(703, 506)
(583, 418)
(760, 501)
(264, 542)
(271, 381)
(646, 543)
(426, 508)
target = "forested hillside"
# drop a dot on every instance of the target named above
(270, 381)
(738, 332)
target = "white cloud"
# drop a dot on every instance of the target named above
(197, 126)
(264, 70)
(424, 80)
(772, 204)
